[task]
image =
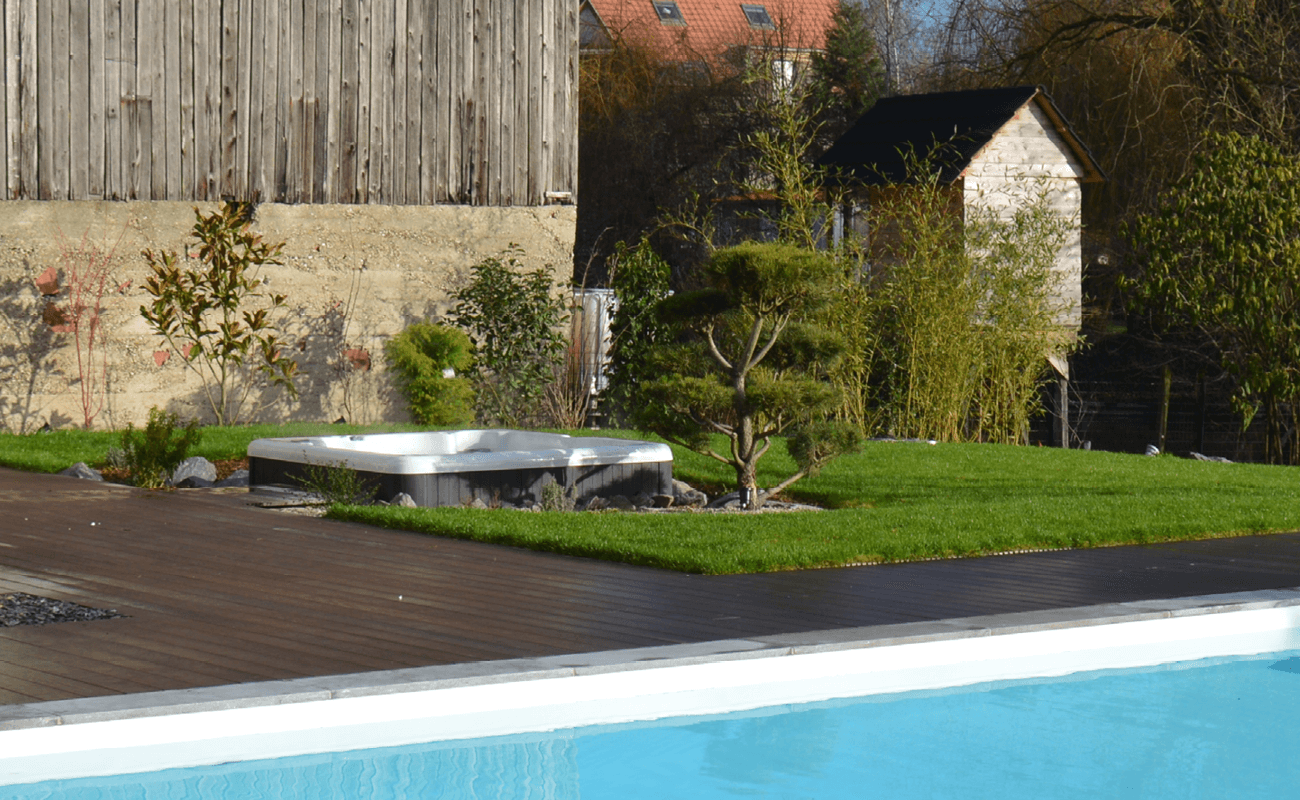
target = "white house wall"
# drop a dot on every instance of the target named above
(1026, 157)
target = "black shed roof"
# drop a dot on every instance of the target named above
(949, 128)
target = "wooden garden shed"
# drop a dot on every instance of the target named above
(993, 148)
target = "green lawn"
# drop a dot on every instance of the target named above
(905, 501)
(892, 502)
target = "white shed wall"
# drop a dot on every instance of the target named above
(1025, 157)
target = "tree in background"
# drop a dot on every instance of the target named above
(756, 365)
(640, 279)
(1221, 263)
(847, 76)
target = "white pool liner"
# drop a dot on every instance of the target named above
(121, 735)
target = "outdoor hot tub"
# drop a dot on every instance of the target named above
(455, 468)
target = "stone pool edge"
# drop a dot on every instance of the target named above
(417, 679)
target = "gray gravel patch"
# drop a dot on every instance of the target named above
(19, 608)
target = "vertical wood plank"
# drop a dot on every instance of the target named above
(78, 55)
(166, 105)
(350, 101)
(429, 116)
(330, 70)
(306, 167)
(270, 85)
(534, 109)
(148, 88)
(133, 153)
(284, 98)
(12, 109)
(568, 132)
(416, 22)
(181, 181)
(208, 99)
(61, 121)
(395, 169)
(44, 127)
(506, 105)
(294, 67)
(249, 81)
(364, 99)
(231, 111)
(381, 91)
(113, 155)
(464, 126)
(28, 135)
(96, 78)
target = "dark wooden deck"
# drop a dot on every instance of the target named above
(218, 592)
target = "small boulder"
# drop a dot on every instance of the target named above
(596, 504)
(193, 482)
(1202, 457)
(478, 503)
(643, 500)
(237, 478)
(662, 500)
(686, 495)
(83, 471)
(404, 500)
(195, 467)
(1152, 450)
(619, 503)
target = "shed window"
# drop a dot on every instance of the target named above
(758, 16)
(669, 13)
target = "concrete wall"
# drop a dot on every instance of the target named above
(354, 276)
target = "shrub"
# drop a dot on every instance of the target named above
(514, 321)
(152, 455)
(420, 358)
(205, 312)
(339, 485)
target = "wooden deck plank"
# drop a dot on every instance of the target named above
(217, 592)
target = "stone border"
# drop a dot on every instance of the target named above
(370, 684)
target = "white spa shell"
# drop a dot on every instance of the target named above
(438, 452)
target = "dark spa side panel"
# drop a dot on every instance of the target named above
(512, 486)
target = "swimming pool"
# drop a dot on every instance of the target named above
(527, 702)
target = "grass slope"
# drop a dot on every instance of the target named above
(904, 501)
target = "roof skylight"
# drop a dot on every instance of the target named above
(757, 16)
(669, 13)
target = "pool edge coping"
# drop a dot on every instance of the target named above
(417, 679)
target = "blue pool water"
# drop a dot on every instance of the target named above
(1223, 727)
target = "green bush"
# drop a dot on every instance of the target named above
(514, 320)
(152, 455)
(419, 356)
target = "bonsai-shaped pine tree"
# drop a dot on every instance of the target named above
(751, 363)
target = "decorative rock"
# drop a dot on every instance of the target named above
(193, 482)
(1152, 450)
(196, 467)
(596, 504)
(81, 470)
(619, 503)
(662, 500)
(478, 503)
(643, 500)
(237, 478)
(1219, 459)
(686, 495)
(404, 500)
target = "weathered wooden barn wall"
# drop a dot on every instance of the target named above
(391, 144)
(398, 102)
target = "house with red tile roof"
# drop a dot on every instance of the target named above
(707, 31)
